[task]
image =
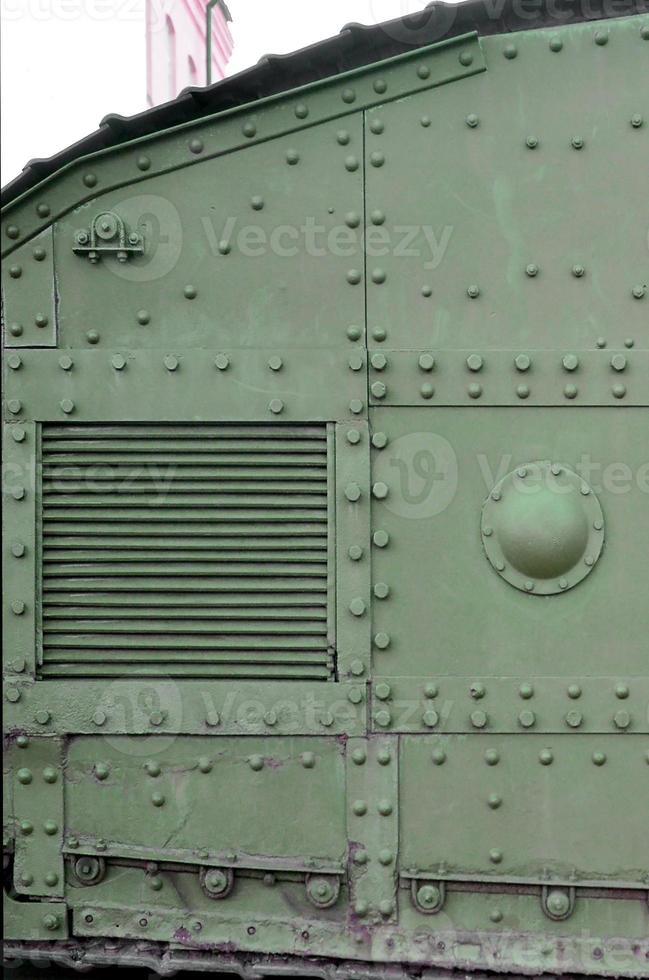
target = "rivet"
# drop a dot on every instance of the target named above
(256, 762)
(427, 291)
(50, 827)
(99, 718)
(50, 774)
(13, 694)
(15, 271)
(275, 363)
(16, 330)
(474, 362)
(379, 389)
(556, 44)
(354, 332)
(343, 137)
(618, 362)
(639, 291)
(601, 37)
(377, 159)
(26, 828)
(527, 719)
(90, 180)
(574, 691)
(532, 270)
(51, 921)
(578, 271)
(376, 126)
(152, 768)
(301, 110)
(380, 86)
(431, 690)
(170, 362)
(492, 757)
(495, 856)
(636, 120)
(41, 320)
(359, 808)
(102, 771)
(39, 253)
(143, 163)
(472, 120)
(430, 718)
(496, 915)
(574, 719)
(619, 391)
(599, 758)
(622, 691)
(348, 95)
(629, 342)
(382, 641)
(353, 277)
(473, 291)
(510, 51)
(356, 406)
(478, 719)
(353, 492)
(531, 142)
(381, 590)
(379, 440)
(18, 607)
(357, 607)
(494, 801)
(25, 776)
(222, 362)
(601, 342)
(14, 361)
(308, 760)
(465, 58)
(12, 231)
(522, 391)
(570, 362)
(118, 361)
(438, 756)
(474, 390)
(257, 203)
(143, 317)
(14, 405)
(577, 143)
(622, 719)
(276, 406)
(22, 742)
(196, 145)
(379, 276)
(355, 552)
(379, 333)
(379, 362)
(546, 757)
(381, 539)
(385, 808)
(249, 130)
(351, 163)
(353, 437)
(425, 121)
(190, 292)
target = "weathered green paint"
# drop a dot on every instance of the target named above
(302, 669)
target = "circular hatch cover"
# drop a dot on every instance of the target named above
(542, 528)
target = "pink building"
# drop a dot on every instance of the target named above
(188, 43)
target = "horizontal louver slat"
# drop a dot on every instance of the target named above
(185, 550)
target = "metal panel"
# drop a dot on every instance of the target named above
(29, 294)
(38, 803)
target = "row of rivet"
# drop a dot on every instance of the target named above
(622, 720)
(546, 757)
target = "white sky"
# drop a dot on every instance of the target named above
(67, 63)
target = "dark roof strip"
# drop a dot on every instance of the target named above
(356, 46)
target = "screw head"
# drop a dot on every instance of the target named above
(428, 897)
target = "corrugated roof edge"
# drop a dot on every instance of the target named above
(356, 45)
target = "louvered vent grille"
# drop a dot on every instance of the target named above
(186, 550)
